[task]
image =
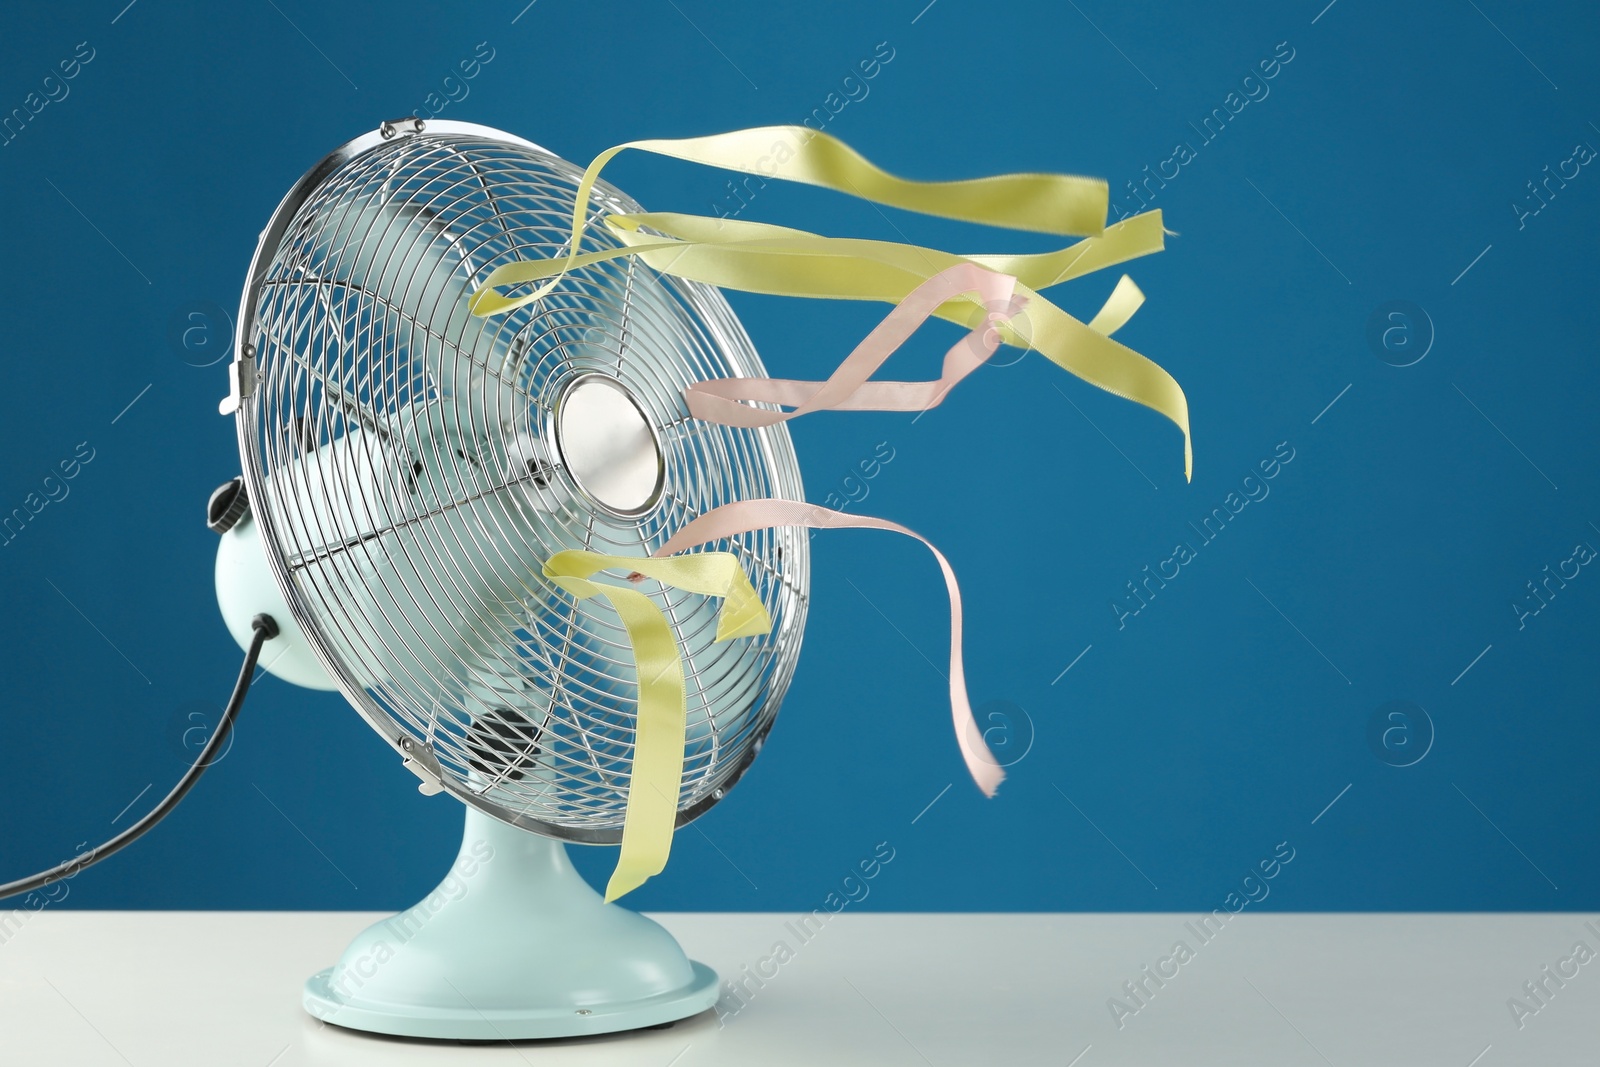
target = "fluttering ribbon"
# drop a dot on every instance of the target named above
(994, 295)
(657, 769)
(757, 257)
(728, 400)
(742, 516)
(658, 745)
(1062, 204)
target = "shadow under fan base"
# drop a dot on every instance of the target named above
(513, 945)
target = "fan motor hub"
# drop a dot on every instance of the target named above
(608, 445)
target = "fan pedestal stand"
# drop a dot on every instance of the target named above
(514, 944)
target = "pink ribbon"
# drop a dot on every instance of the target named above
(727, 400)
(743, 516)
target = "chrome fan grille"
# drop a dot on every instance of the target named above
(400, 457)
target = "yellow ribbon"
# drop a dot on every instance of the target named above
(756, 257)
(658, 744)
(808, 265)
(1062, 204)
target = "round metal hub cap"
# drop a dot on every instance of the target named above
(608, 445)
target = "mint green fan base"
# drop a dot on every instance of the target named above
(514, 944)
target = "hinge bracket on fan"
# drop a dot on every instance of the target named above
(420, 761)
(393, 128)
(241, 379)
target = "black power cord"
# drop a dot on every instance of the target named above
(264, 629)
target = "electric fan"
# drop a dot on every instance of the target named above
(434, 469)
(407, 469)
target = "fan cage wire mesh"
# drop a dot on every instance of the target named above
(363, 346)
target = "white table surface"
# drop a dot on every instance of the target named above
(220, 988)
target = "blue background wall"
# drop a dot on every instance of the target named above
(1185, 742)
